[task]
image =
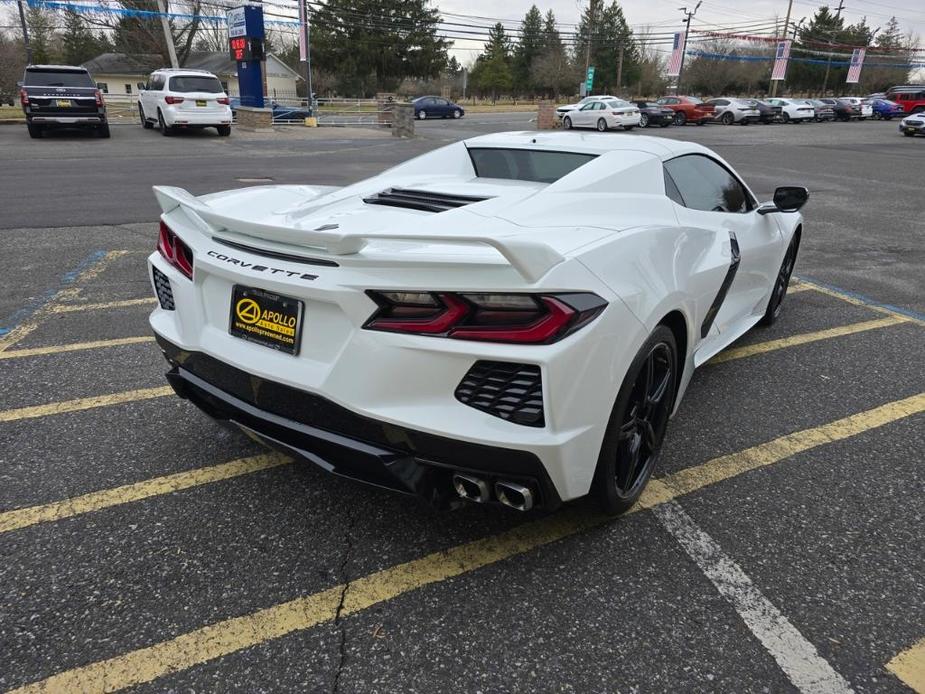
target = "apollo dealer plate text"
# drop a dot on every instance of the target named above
(268, 319)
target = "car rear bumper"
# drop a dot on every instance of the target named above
(309, 427)
(188, 117)
(67, 120)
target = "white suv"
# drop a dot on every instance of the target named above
(184, 99)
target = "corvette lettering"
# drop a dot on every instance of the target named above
(260, 268)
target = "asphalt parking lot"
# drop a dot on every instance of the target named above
(779, 548)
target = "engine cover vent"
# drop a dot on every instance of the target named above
(421, 199)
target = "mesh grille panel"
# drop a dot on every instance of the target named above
(510, 391)
(164, 292)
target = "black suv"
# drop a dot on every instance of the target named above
(61, 96)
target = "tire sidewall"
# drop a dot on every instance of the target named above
(567, 122)
(604, 486)
(601, 125)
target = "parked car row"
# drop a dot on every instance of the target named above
(606, 112)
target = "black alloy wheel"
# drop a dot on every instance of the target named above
(781, 283)
(633, 440)
(644, 120)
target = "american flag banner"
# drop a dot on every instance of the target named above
(857, 62)
(780, 60)
(677, 55)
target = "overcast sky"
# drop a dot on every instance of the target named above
(664, 15)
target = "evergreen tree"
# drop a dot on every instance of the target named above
(553, 71)
(608, 31)
(78, 43)
(492, 71)
(528, 49)
(374, 44)
(42, 36)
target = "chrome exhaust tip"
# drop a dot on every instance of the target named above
(471, 488)
(514, 495)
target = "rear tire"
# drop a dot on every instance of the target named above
(727, 118)
(103, 131)
(35, 131)
(785, 117)
(601, 125)
(779, 292)
(633, 439)
(165, 131)
(644, 121)
(223, 130)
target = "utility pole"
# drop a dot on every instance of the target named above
(773, 88)
(168, 36)
(687, 31)
(307, 28)
(590, 33)
(25, 34)
(828, 64)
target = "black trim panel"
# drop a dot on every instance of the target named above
(724, 287)
(277, 255)
(315, 429)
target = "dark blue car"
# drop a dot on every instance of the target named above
(886, 109)
(436, 107)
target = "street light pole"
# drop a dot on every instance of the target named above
(687, 31)
(25, 34)
(168, 35)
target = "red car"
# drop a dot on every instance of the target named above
(911, 98)
(688, 109)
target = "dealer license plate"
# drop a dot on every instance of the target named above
(64, 103)
(910, 130)
(201, 102)
(268, 319)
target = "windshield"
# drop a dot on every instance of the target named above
(191, 83)
(525, 164)
(57, 78)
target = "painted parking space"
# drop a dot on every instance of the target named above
(144, 546)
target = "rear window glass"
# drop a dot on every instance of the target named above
(618, 103)
(191, 83)
(525, 164)
(57, 78)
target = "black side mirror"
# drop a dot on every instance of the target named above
(786, 199)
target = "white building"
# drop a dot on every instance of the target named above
(120, 73)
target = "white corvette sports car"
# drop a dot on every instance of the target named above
(511, 318)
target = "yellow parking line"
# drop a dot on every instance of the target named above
(858, 302)
(909, 666)
(28, 326)
(71, 308)
(803, 338)
(798, 287)
(225, 637)
(73, 347)
(95, 501)
(83, 403)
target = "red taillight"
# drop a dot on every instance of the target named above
(23, 97)
(173, 99)
(223, 100)
(519, 318)
(99, 98)
(175, 251)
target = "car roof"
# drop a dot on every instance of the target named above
(182, 71)
(587, 143)
(58, 68)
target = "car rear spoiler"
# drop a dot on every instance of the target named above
(531, 259)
